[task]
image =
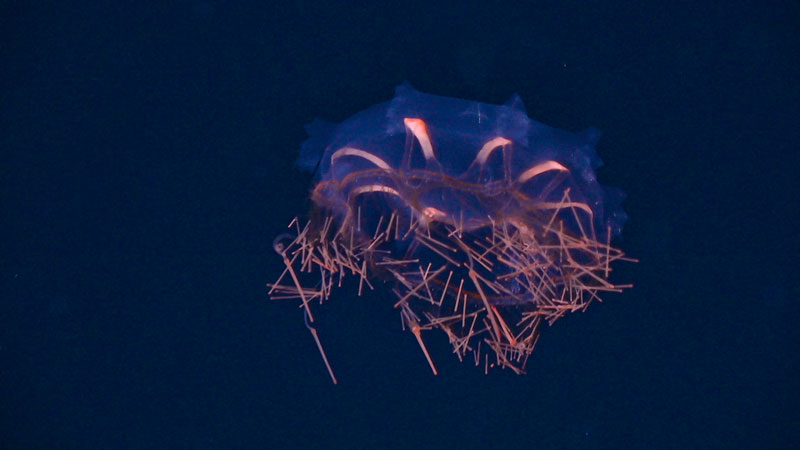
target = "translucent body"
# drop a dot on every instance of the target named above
(460, 128)
(485, 221)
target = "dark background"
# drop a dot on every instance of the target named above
(146, 164)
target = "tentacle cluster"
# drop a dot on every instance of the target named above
(484, 263)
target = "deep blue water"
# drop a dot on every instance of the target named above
(147, 162)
